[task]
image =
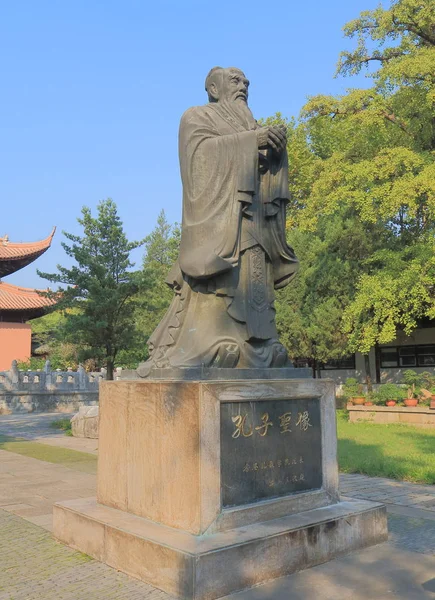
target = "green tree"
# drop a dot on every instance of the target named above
(310, 309)
(373, 155)
(47, 337)
(100, 288)
(161, 252)
(331, 249)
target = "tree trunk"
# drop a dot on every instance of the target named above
(368, 373)
(110, 369)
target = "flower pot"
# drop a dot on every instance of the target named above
(359, 400)
(390, 403)
(368, 404)
(410, 402)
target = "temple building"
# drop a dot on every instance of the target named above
(18, 305)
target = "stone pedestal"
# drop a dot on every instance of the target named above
(85, 423)
(205, 488)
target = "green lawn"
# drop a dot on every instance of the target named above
(395, 451)
(79, 461)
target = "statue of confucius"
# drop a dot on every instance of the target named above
(233, 252)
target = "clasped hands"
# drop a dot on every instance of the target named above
(272, 137)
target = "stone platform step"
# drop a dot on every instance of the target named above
(211, 566)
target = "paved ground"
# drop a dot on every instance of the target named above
(34, 567)
(388, 491)
(36, 426)
(29, 487)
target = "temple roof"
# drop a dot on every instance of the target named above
(16, 255)
(23, 300)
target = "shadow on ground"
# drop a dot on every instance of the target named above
(381, 572)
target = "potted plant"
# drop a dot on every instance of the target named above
(378, 399)
(353, 391)
(370, 400)
(389, 394)
(413, 382)
(427, 390)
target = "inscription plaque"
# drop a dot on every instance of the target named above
(269, 449)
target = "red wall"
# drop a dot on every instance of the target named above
(15, 343)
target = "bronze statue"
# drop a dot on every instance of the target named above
(233, 252)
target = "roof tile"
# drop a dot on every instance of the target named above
(10, 250)
(13, 297)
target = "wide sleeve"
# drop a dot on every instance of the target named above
(219, 172)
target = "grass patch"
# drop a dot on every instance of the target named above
(79, 461)
(63, 424)
(397, 451)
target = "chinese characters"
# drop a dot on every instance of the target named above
(303, 421)
(269, 446)
(266, 424)
(240, 430)
(284, 422)
(244, 429)
(273, 464)
(287, 470)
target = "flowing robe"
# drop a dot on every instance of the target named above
(233, 251)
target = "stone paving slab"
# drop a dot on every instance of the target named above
(382, 572)
(388, 491)
(35, 567)
(412, 533)
(29, 487)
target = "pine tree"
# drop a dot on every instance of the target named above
(100, 287)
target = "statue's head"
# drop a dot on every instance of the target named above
(229, 85)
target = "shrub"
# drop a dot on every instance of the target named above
(389, 391)
(413, 381)
(352, 389)
(428, 380)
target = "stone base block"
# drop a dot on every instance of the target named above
(206, 567)
(85, 423)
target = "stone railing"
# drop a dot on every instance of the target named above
(47, 390)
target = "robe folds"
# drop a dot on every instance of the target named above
(219, 164)
(233, 251)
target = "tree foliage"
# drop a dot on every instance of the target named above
(370, 156)
(98, 300)
(161, 252)
(48, 341)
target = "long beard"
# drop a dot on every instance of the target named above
(240, 111)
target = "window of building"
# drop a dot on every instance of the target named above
(407, 356)
(301, 363)
(389, 357)
(347, 362)
(426, 355)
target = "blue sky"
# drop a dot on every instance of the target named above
(93, 90)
